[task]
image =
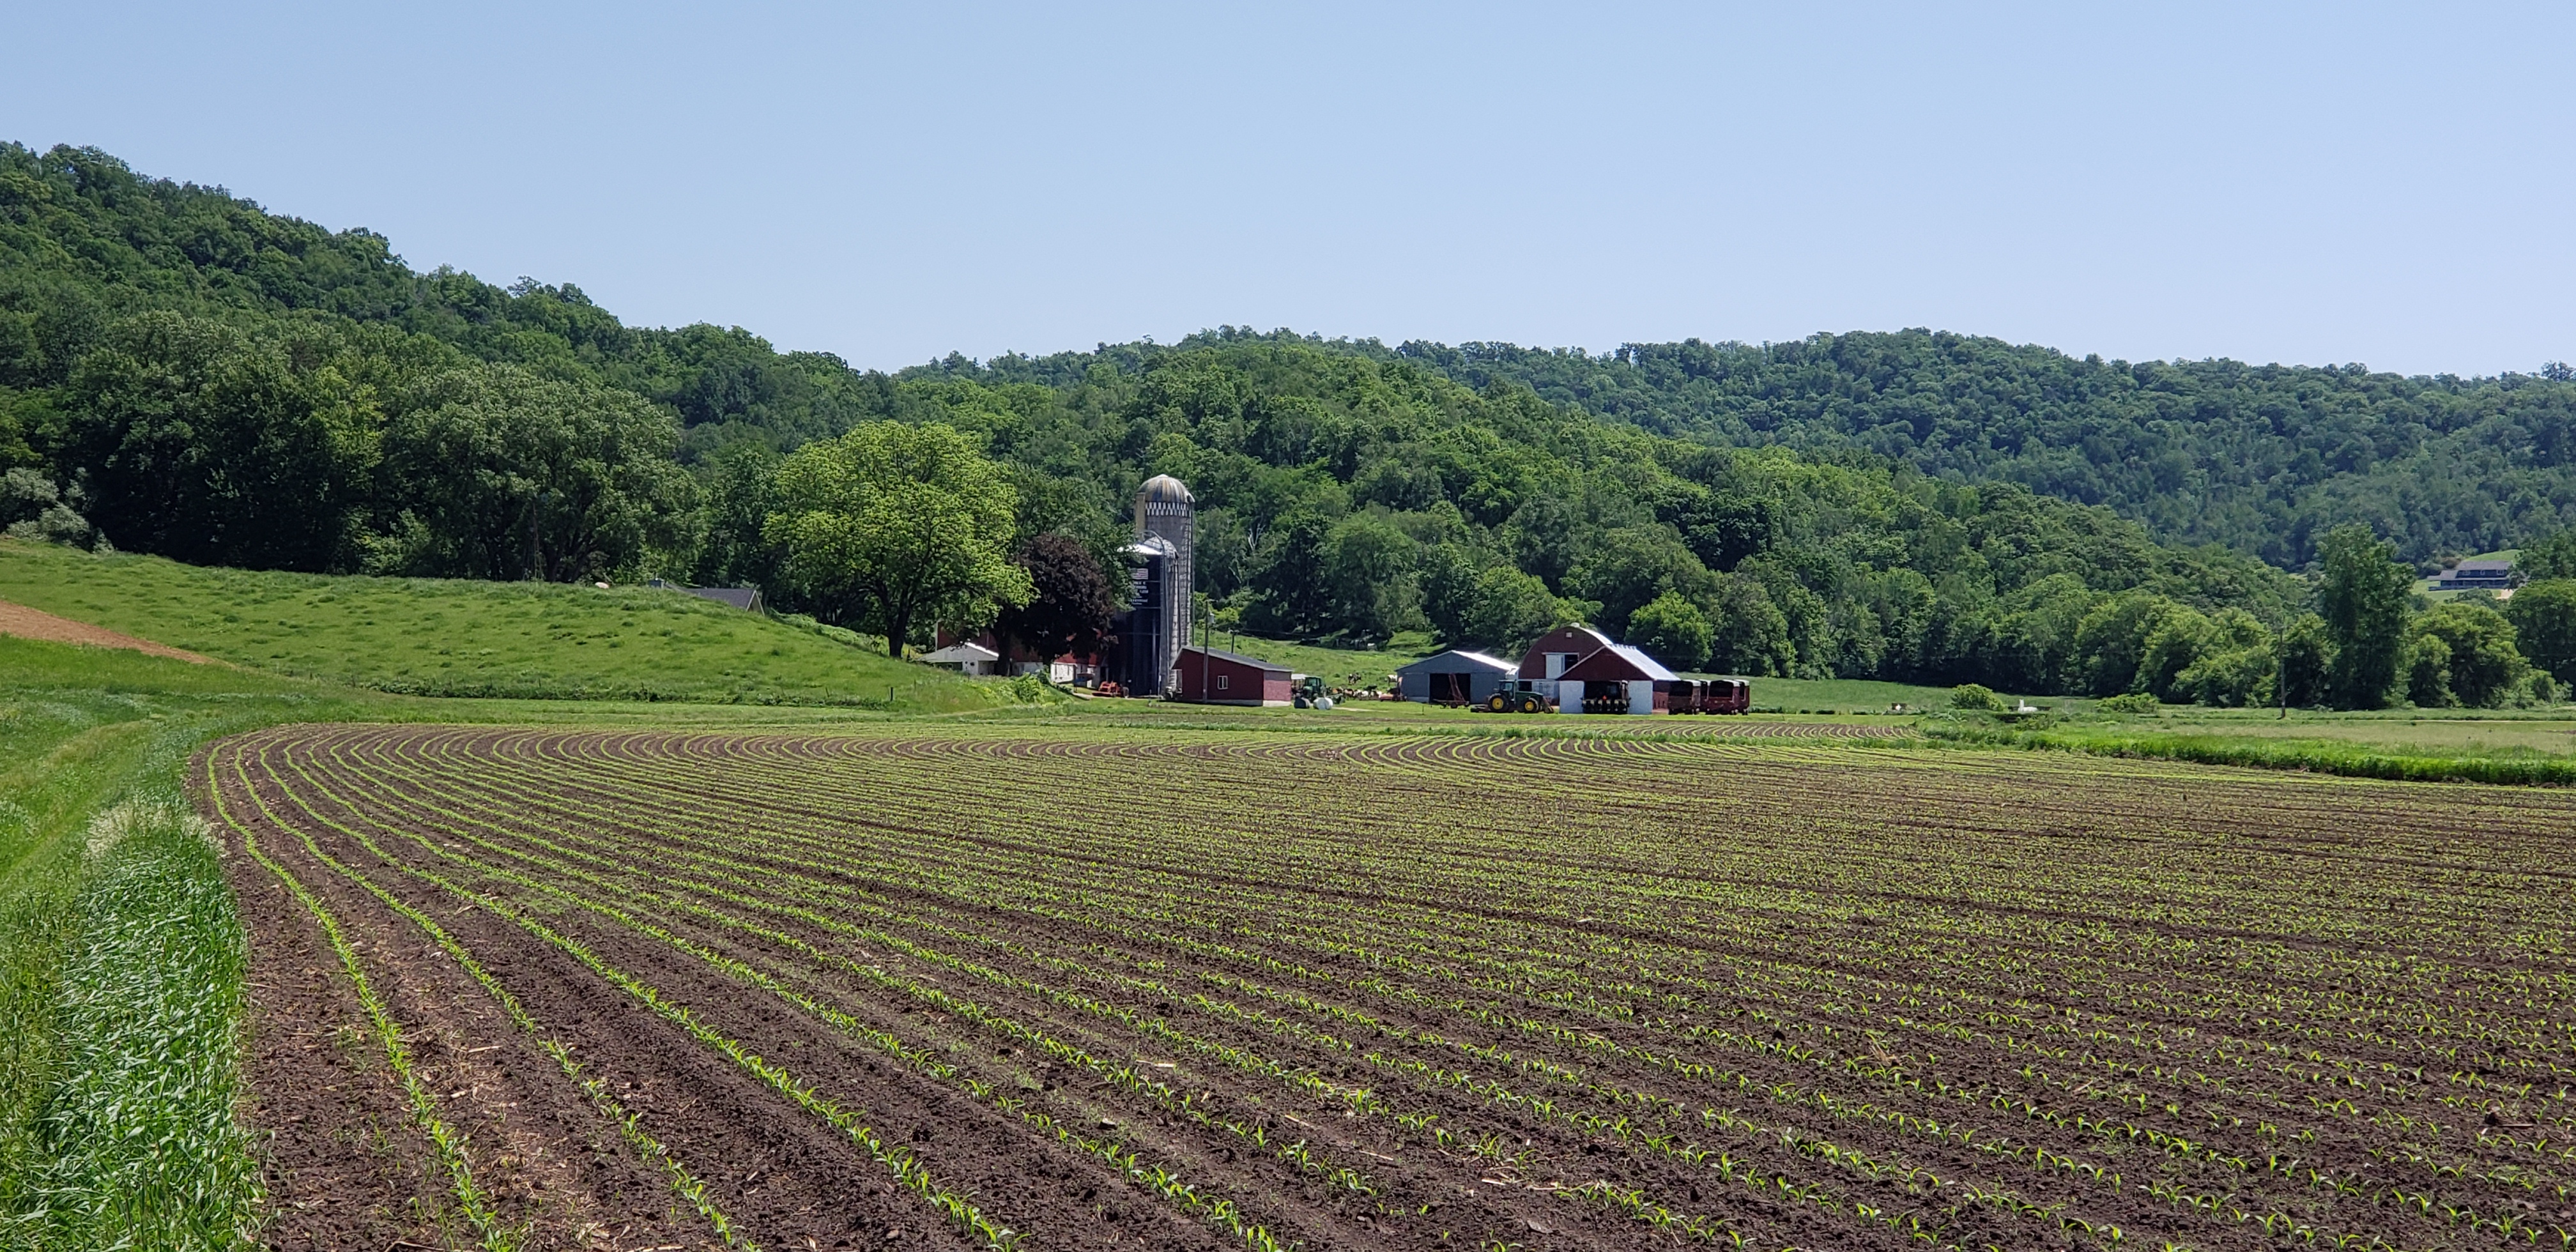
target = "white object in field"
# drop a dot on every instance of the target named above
(1323, 702)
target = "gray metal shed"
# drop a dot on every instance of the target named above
(1456, 676)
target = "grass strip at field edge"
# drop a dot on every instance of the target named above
(2297, 756)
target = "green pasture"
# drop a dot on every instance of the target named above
(453, 637)
(2543, 734)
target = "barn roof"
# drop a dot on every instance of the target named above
(1455, 656)
(1617, 661)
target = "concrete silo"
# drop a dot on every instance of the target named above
(1163, 575)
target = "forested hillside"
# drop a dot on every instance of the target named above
(195, 377)
(2263, 459)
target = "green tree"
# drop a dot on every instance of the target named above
(2112, 640)
(496, 472)
(1672, 630)
(2544, 621)
(2468, 656)
(890, 527)
(2234, 665)
(2427, 673)
(2551, 558)
(2306, 660)
(1508, 609)
(196, 441)
(1291, 596)
(2362, 597)
(2181, 636)
(1368, 564)
(1748, 634)
(1629, 567)
(740, 490)
(1973, 696)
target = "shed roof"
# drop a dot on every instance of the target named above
(745, 598)
(1444, 662)
(1237, 658)
(960, 652)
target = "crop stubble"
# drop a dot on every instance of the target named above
(1213, 989)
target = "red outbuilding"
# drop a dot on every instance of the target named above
(1211, 676)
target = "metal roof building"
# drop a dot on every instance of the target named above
(1456, 676)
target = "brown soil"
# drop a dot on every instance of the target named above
(27, 623)
(1966, 961)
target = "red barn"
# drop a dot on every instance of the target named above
(1586, 673)
(1211, 676)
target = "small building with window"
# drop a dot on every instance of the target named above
(969, 658)
(1213, 676)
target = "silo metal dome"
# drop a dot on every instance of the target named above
(1165, 488)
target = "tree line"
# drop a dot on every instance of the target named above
(183, 373)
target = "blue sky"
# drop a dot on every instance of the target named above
(2297, 183)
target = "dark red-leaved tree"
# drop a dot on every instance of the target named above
(1071, 609)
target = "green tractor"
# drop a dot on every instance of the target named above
(1515, 696)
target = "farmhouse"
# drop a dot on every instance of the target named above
(1456, 676)
(2475, 576)
(1213, 676)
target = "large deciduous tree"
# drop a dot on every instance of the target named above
(1672, 630)
(495, 472)
(2544, 621)
(2468, 656)
(194, 440)
(2363, 600)
(893, 526)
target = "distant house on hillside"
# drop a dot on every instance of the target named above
(2475, 576)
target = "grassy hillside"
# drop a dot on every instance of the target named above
(442, 637)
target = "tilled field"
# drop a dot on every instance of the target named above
(1218, 989)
